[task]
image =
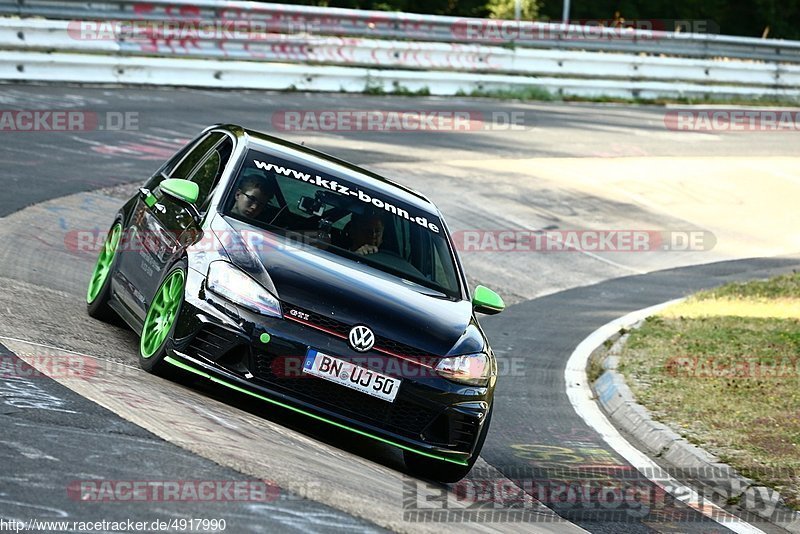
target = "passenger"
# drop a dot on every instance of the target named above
(252, 196)
(366, 233)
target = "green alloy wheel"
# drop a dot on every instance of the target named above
(161, 318)
(103, 266)
(99, 290)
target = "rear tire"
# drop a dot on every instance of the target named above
(161, 318)
(442, 471)
(99, 291)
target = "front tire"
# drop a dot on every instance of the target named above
(442, 471)
(159, 323)
(99, 291)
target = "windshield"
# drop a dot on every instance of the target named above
(334, 215)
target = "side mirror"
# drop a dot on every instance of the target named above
(181, 189)
(487, 301)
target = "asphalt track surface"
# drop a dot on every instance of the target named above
(54, 439)
(57, 437)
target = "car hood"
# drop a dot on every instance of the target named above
(307, 278)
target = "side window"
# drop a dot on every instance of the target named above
(167, 167)
(190, 161)
(207, 174)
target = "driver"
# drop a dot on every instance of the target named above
(252, 196)
(366, 233)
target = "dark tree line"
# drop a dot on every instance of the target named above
(731, 17)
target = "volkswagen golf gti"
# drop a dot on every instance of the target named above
(308, 283)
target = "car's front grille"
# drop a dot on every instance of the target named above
(402, 416)
(382, 343)
(340, 329)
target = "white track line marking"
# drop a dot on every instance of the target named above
(580, 395)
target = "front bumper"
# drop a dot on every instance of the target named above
(218, 340)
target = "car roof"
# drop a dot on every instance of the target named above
(331, 165)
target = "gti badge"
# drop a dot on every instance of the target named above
(361, 338)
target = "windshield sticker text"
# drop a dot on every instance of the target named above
(335, 186)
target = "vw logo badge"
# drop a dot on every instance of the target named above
(361, 338)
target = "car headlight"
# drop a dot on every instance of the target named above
(232, 284)
(471, 369)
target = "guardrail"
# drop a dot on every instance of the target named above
(228, 43)
(406, 26)
(62, 36)
(101, 69)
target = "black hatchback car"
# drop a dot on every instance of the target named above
(309, 283)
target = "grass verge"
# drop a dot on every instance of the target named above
(723, 369)
(538, 94)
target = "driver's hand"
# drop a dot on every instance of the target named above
(363, 250)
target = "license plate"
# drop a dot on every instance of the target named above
(351, 375)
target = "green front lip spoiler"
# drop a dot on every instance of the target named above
(189, 368)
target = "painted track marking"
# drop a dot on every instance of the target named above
(581, 398)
